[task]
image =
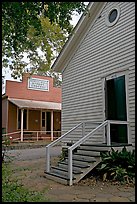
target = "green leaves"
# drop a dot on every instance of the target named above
(117, 165)
(27, 26)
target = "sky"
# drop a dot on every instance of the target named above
(7, 72)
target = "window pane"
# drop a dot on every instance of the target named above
(43, 123)
(43, 115)
(112, 15)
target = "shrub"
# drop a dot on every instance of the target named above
(5, 144)
(117, 165)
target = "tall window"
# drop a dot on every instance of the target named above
(43, 119)
(24, 119)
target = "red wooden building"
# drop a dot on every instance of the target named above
(32, 108)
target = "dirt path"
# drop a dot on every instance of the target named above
(28, 167)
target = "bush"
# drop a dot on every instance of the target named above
(117, 165)
(5, 144)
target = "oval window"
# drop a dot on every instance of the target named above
(112, 16)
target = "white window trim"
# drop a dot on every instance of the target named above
(112, 76)
(108, 13)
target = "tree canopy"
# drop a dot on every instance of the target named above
(33, 28)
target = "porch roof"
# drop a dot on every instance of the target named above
(31, 104)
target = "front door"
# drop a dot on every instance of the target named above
(115, 105)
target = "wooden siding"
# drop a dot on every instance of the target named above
(103, 50)
(12, 118)
(4, 113)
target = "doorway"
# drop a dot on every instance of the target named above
(116, 107)
(46, 121)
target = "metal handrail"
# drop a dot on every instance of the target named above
(54, 143)
(71, 148)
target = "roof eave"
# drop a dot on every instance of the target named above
(78, 33)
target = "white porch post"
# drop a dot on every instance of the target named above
(52, 125)
(22, 111)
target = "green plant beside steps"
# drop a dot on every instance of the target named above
(117, 165)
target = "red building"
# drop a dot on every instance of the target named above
(32, 107)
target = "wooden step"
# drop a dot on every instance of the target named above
(66, 169)
(79, 162)
(76, 164)
(93, 148)
(78, 157)
(64, 166)
(88, 153)
(57, 177)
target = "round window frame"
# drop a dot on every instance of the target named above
(109, 12)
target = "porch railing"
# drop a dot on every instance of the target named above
(10, 136)
(80, 141)
(55, 135)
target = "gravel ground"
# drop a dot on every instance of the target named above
(32, 154)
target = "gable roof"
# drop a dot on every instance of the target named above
(94, 9)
